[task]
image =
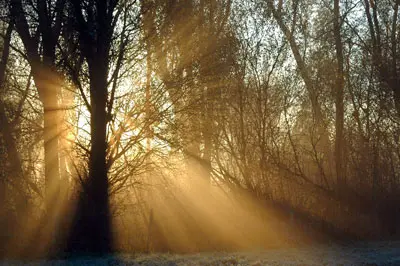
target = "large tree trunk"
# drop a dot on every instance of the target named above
(339, 138)
(47, 81)
(92, 231)
(98, 179)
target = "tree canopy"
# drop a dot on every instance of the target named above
(171, 125)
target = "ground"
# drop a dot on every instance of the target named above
(378, 253)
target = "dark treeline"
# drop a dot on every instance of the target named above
(121, 119)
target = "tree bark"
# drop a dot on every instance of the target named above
(47, 81)
(93, 220)
(339, 138)
(98, 173)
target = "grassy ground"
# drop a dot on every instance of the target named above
(379, 253)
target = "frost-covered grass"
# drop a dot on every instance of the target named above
(379, 253)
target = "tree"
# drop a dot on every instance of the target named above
(40, 46)
(13, 156)
(197, 39)
(17, 190)
(339, 138)
(102, 28)
(384, 47)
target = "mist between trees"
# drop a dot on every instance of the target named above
(168, 125)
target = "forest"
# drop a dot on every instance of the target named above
(197, 125)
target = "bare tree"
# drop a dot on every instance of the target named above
(339, 102)
(40, 45)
